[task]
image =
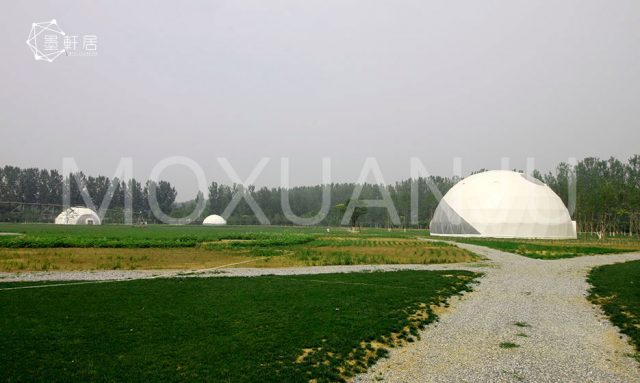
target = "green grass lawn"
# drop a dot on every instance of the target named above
(616, 288)
(263, 329)
(151, 236)
(557, 249)
(157, 236)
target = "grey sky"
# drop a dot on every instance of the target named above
(479, 80)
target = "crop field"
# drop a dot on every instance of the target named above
(557, 249)
(268, 329)
(616, 288)
(42, 247)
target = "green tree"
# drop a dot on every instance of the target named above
(358, 211)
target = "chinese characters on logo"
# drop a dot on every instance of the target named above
(74, 45)
(47, 41)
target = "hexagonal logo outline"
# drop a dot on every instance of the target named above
(37, 29)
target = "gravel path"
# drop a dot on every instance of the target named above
(93, 275)
(120, 275)
(567, 338)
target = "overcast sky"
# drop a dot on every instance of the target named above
(480, 80)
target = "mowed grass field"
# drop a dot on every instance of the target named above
(43, 247)
(556, 249)
(616, 288)
(264, 329)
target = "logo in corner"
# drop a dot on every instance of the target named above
(43, 40)
(47, 42)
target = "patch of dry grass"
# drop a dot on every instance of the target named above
(67, 259)
(366, 251)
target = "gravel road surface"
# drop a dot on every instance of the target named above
(538, 305)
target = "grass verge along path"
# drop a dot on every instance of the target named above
(273, 328)
(616, 288)
(556, 249)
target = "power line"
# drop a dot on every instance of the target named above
(30, 203)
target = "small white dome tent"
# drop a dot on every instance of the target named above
(78, 216)
(214, 219)
(502, 204)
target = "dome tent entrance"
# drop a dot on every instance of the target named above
(78, 216)
(502, 204)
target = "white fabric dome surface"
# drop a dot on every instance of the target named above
(214, 219)
(78, 216)
(502, 204)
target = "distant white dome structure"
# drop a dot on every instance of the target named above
(78, 216)
(214, 219)
(502, 204)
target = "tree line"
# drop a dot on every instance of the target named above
(607, 193)
(607, 197)
(36, 195)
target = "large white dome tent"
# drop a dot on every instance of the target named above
(502, 204)
(214, 219)
(78, 216)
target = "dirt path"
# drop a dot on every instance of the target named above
(541, 307)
